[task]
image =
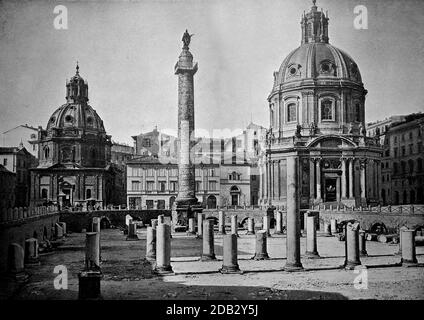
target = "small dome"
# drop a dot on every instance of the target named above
(76, 115)
(317, 60)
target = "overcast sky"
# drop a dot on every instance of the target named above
(127, 51)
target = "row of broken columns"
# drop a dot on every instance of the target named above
(355, 241)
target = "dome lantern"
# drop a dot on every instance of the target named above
(76, 88)
(314, 26)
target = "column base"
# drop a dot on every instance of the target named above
(350, 265)
(221, 233)
(363, 253)
(278, 232)
(19, 277)
(207, 257)
(190, 233)
(151, 258)
(163, 270)
(250, 232)
(409, 263)
(230, 269)
(89, 285)
(199, 236)
(312, 255)
(132, 238)
(32, 262)
(293, 267)
(325, 234)
(260, 256)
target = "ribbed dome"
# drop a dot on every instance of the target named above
(315, 61)
(76, 115)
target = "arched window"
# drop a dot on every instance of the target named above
(46, 152)
(211, 202)
(327, 110)
(291, 112)
(271, 116)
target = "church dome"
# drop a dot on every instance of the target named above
(318, 88)
(317, 60)
(76, 113)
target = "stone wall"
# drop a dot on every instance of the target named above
(367, 219)
(242, 214)
(78, 220)
(17, 231)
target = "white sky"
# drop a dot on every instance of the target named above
(127, 51)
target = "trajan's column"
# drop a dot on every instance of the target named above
(186, 204)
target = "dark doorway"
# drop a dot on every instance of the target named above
(234, 199)
(330, 189)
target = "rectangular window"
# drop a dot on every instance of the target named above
(198, 184)
(411, 149)
(291, 112)
(395, 152)
(161, 172)
(162, 186)
(147, 143)
(326, 110)
(135, 185)
(238, 143)
(173, 186)
(403, 151)
(150, 172)
(212, 185)
(150, 185)
(395, 139)
(5, 161)
(149, 204)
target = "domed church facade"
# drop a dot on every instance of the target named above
(74, 154)
(317, 113)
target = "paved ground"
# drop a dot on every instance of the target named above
(128, 276)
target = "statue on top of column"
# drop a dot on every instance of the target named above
(186, 39)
